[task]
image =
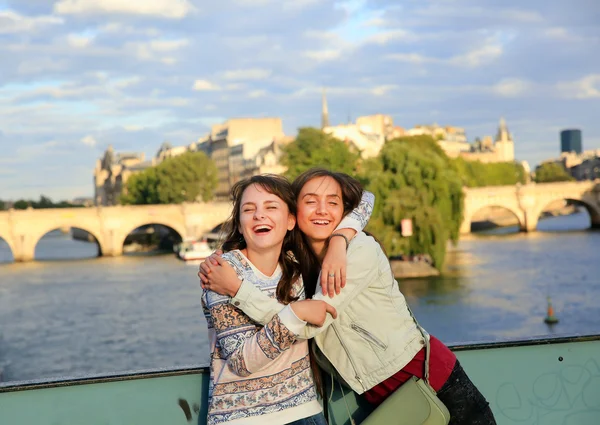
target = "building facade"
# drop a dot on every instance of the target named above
(570, 141)
(111, 174)
(502, 149)
(237, 144)
(582, 166)
(114, 169)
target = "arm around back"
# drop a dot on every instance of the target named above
(363, 269)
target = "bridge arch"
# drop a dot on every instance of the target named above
(470, 215)
(9, 242)
(36, 237)
(122, 236)
(588, 202)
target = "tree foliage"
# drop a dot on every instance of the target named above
(314, 148)
(189, 177)
(44, 202)
(478, 174)
(412, 178)
(552, 172)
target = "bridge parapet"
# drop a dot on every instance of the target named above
(22, 229)
(527, 202)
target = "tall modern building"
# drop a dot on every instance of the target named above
(570, 141)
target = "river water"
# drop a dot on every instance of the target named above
(68, 315)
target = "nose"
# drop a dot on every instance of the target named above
(321, 208)
(259, 214)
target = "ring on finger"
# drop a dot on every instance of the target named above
(331, 275)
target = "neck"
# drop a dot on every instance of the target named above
(264, 260)
(319, 248)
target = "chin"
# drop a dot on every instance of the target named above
(320, 235)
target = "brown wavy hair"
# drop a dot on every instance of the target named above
(352, 190)
(280, 187)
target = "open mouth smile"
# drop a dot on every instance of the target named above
(321, 222)
(262, 229)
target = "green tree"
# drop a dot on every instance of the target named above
(478, 174)
(314, 148)
(21, 204)
(552, 172)
(2, 205)
(189, 177)
(414, 179)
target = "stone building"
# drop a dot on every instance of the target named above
(582, 166)
(114, 169)
(111, 174)
(501, 150)
(452, 140)
(367, 135)
(236, 145)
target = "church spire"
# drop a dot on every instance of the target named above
(324, 112)
(503, 134)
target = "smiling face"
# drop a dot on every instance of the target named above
(320, 209)
(264, 219)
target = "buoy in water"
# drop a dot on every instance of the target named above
(550, 319)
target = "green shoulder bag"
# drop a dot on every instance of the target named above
(414, 403)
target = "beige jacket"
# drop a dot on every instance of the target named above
(374, 335)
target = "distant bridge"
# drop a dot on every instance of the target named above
(527, 202)
(22, 229)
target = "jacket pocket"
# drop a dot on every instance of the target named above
(368, 336)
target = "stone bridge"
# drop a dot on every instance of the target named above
(22, 229)
(528, 201)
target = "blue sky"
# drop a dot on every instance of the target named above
(78, 75)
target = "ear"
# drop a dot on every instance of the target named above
(291, 222)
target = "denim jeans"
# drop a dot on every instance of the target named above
(467, 406)
(317, 419)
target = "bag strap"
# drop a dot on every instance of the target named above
(427, 347)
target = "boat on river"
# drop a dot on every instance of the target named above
(547, 381)
(194, 250)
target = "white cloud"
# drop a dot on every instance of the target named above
(587, 87)
(205, 85)
(395, 35)
(89, 141)
(133, 127)
(13, 22)
(323, 55)
(172, 9)
(512, 87)
(257, 93)
(383, 90)
(414, 58)
(292, 5)
(562, 34)
(168, 45)
(478, 57)
(247, 74)
(471, 59)
(79, 41)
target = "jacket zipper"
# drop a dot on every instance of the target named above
(368, 335)
(349, 358)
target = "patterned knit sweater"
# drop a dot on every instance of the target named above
(256, 371)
